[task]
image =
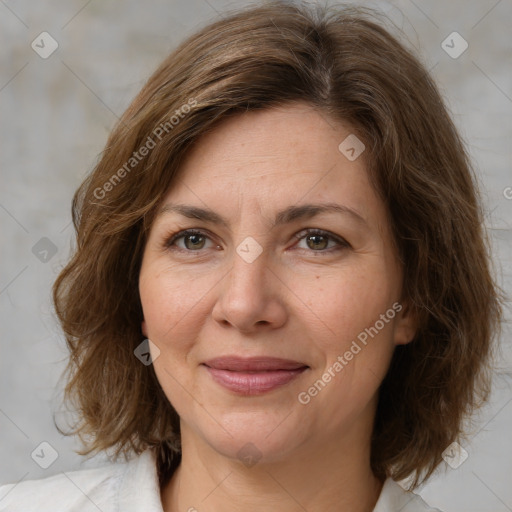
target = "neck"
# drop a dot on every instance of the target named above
(319, 478)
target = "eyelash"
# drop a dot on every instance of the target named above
(342, 244)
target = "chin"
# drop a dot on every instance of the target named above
(257, 437)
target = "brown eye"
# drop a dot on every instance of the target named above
(194, 241)
(190, 241)
(317, 242)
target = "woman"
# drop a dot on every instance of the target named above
(281, 296)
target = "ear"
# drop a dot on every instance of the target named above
(406, 324)
(144, 329)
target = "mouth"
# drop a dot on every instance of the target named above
(253, 376)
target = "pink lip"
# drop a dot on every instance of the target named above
(255, 375)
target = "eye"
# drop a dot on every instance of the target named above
(318, 240)
(189, 240)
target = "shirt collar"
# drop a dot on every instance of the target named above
(140, 488)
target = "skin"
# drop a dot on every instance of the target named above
(301, 299)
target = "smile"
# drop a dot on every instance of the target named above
(253, 376)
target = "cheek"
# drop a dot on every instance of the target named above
(356, 346)
(169, 301)
(346, 304)
(172, 309)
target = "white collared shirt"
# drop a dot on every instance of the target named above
(133, 487)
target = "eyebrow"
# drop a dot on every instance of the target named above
(286, 216)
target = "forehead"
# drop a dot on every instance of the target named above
(272, 141)
(269, 159)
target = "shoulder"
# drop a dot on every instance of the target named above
(68, 491)
(393, 498)
(109, 488)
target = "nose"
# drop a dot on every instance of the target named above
(250, 297)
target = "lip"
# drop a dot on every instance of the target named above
(254, 375)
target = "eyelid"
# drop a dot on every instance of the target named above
(342, 243)
(170, 239)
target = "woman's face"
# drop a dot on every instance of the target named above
(277, 316)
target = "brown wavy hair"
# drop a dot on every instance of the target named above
(347, 64)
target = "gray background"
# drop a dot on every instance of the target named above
(55, 116)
